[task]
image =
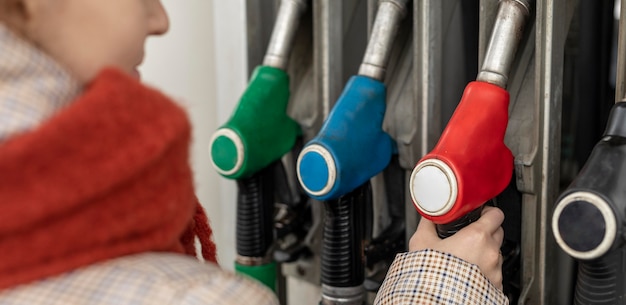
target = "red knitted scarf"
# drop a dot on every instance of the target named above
(107, 176)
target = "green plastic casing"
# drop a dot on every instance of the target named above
(261, 124)
(265, 274)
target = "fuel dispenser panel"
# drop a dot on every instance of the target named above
(366, 115)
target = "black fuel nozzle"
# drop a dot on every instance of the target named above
(589, 217)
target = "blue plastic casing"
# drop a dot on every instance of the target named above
(351, 147)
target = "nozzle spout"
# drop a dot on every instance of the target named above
(284, 32)
(505, 38)
(384, 30)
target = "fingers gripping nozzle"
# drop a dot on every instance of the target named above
(259, 131)
(470, 164)
(351, 147)
(590, 215)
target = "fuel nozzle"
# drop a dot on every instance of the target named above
(590, 215)
(349, 150)
(249, 146)
(351, 146)
(471, 164)
(259, 130)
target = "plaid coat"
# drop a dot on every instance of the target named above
(432, 277)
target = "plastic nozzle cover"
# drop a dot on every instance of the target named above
(470, 164)
(590, 214)
(266, 274)
(591, 240)
(351, 147)
(259, 130)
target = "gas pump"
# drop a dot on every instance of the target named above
(351, 148)
(512, 109)
(248, 148)
(588, 219)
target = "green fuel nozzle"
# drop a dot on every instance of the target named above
(256, 136)
(259, 131)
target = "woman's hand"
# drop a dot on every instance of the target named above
(478, 243)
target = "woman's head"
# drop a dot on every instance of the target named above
(88, 35)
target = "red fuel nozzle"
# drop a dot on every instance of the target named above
(470, 164)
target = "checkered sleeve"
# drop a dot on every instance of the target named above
(143, 279)
(232, 289)
(432, 277)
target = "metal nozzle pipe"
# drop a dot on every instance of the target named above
(384, 30)
(342, 295)
(505, 37)
(284, 31)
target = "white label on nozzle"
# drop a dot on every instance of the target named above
(433, 187)
(234, 137)
(330, 164)
(609, 220)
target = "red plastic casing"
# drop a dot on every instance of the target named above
(472, 145)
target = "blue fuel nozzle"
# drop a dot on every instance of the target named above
(351, 147)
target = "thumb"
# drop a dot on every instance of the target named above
(491, 219)
(425, 236)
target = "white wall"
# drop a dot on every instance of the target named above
(201, 62)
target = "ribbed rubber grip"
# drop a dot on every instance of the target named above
(255, 208)
(449, 229)
(342, 246)
(601, 281)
